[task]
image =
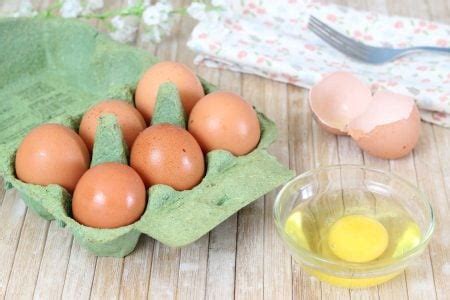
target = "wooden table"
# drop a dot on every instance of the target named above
(243, 257)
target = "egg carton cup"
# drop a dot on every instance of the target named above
(54, 70)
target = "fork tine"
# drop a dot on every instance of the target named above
(338, 44)
(337, 35)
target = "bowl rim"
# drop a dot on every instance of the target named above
(342, 268)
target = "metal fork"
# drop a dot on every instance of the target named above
(360, 51)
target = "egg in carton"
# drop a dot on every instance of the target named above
(175, 218)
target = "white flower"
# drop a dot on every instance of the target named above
(152, 34)
(157, 13)
(200, 11)
(166, 27)
(71, 8)
(125, 29)
(197, 11)
(151, 16)
(219, 3)
(145, 3)
(92, 5)
(25, 10)
(165, 8)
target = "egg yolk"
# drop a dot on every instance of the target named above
(358, 238)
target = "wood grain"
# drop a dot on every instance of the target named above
(222, 243)
(250, 240)
(242, 258)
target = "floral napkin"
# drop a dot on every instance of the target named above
(270, 38)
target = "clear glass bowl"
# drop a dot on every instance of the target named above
(337, 189)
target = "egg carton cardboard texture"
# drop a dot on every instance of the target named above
(53, 71)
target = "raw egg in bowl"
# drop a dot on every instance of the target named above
(353, 226)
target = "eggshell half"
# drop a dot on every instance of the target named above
(337, 99)
(187, 83)
(52, 154)
(130, 121)
(389, 128)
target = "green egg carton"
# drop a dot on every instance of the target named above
(53, 71)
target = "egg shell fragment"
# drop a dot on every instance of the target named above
(337, 99)
(389, 128)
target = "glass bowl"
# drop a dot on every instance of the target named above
(335, 191)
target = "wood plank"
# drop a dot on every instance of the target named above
(326, 153)
(396, 288)
(301, 158)
(430, 180)
(419, 276)
(250, 240)
(221, 260)
(52, 272)
(12, 215)
(277, 261)
(164, 273)
(107, 278)
(28, 256)
(222, 244)
(249, 252)
(80, 273)
(192, 272)
(2, 191)
(194, 257)
(136, 270)
(428, 162)
(441, 266)
(349, 153)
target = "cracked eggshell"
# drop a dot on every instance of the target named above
(389, 128)
(337, 99)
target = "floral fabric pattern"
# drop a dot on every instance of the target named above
(271, 39)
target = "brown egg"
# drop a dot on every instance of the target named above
(52, 153)
(130, 121)
(109, 195)
(188, 85)
(167, 154)
(223, 120)
(389, 128)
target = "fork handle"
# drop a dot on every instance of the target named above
(429, 48)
